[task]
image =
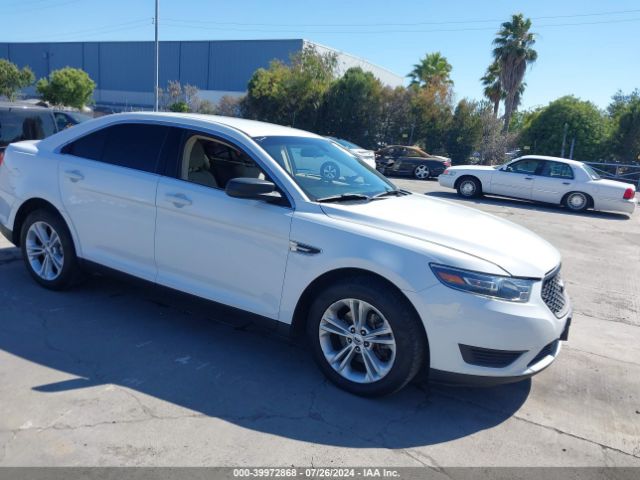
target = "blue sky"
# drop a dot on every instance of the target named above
(586, 48)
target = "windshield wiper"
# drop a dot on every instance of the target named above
(388, 193)
(344, 197)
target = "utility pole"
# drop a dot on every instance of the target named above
(573, 143)
(157, 61)
(564, 139)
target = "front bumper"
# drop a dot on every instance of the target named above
(453, 319)
(447, 180)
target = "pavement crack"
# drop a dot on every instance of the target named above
(531, 422)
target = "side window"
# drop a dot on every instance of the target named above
(134, 145)
(90, 146)
(131, 145)
(528, 167)
(18, 124)
(557, 170)
(213, 163)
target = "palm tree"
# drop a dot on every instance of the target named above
(513, 52)
(433, 70)
(492, 86)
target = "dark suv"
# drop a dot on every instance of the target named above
(19, 121)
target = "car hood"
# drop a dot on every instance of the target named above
(513, 248)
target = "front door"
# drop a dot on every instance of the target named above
(515, 179)
(230, 250)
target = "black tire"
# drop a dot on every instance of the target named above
(576, 201)
(469, 187)
(329, 171)
(411, 354)
(70, 272)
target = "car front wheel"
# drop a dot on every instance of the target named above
(367, 343)
(48, 251)
(469, 188)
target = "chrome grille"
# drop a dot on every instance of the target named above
(553, 294)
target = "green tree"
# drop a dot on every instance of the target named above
(13, 79)
(291, 94)
(465, 131)
(625, 139)
(67, 86)
(432, 70)
(585, 123)
(513, 52)
(430, 115)
(353, 107)
(492, 86)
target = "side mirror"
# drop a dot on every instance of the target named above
(251, 188)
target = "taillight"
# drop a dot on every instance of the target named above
(446, 172)
(629, 193)
(1, 156)
(447, 164)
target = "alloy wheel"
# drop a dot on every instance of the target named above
(44, 251)
(422, 172)
(357, 341)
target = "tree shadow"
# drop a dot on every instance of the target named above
(221, 363)
(526, 205)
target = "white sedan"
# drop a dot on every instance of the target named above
(544, 179)
(385, 283)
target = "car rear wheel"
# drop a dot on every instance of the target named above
(48, 251)
(422, 172)
(366, 343)
(576, 202)
(469, 187)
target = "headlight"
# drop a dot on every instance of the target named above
(496, 286)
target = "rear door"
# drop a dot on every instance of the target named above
(516, 179)
(108, 181)
(555, 180)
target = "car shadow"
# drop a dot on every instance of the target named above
(221, 363)
(526, 205)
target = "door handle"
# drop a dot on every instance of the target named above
(74, 175)
(178, 199)
(528, 178)
(566, 183)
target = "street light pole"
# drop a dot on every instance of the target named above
(157, 61)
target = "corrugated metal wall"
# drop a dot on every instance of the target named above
(128, 66)
(123, 71)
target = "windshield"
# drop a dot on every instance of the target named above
(349, 145)
(592, 173)
(322, 169)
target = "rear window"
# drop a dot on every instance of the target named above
(18, 124)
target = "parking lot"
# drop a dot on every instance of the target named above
(113, 373)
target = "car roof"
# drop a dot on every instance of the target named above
(22, 105)
(555, 159)
(252, 128)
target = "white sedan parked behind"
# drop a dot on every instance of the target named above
(544, 179)
(385, 283)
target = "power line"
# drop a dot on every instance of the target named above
(170, 23)
(387, 24)
(98, 30)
